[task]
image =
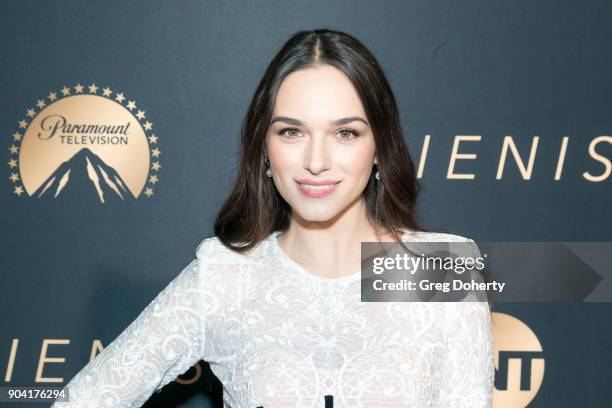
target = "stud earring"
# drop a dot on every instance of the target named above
(268, 170)
(377, 174)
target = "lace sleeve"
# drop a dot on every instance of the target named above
(468, 372)
(164, 341)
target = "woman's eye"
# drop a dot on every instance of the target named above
(290, 132)
(347, 134)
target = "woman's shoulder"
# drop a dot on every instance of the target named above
(434, 236)
(212, 250)
(458, 243)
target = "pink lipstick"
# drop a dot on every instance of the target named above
(316, 189)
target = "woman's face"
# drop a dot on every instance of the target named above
(319, 134)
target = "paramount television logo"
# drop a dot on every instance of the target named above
(86, 144)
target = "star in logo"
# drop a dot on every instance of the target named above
(65, 91)
(14, 177)
(148, 125)
(148, 191)
(93, 89)
(78, 88)
(106, 91)
(153, 139)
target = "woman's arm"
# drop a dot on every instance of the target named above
(164, 341)
(468, 369)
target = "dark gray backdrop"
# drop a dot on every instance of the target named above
(491, 68)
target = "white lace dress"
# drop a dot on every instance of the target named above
(278, 336)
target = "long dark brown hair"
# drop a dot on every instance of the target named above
(254, 209)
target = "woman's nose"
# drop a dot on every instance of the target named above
(316, 156)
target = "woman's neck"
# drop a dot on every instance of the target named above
(331, 248)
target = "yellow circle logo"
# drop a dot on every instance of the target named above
(84, 143)
(519, 362)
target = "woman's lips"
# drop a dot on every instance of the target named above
(317, 190)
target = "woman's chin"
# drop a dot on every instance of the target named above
(321, 214)
(307, 213)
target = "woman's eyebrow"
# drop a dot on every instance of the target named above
(337, 122)
(349, 119)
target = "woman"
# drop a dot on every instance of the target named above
(272, 301)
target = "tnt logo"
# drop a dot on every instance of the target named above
(519, 362)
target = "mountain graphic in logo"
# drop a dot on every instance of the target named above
(84, 175)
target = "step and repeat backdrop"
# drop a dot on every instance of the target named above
(120, 123)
